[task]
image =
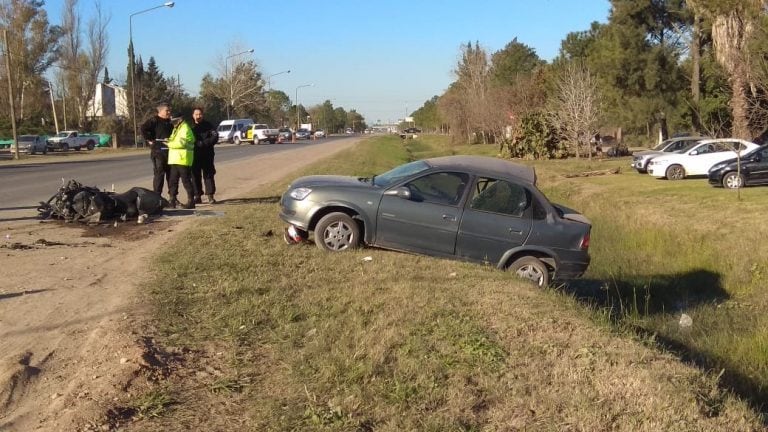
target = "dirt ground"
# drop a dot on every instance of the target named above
(70, 306)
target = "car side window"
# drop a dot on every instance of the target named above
(725, 146)
(764, 154)
(439, 188)
(499, 196)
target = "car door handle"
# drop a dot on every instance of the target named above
(448, 217)
(514, 231)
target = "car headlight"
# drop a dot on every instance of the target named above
(300, 193)
(657, 162)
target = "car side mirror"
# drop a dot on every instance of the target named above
(694, 152)
(400, 192)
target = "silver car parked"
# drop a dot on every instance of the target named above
(32, 144)
(473, 208)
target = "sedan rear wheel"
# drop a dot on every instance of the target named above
(675, 172)
(237, 140)
(733, 180)
(337, 232)
(531, 269)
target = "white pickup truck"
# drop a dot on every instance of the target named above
(66, 140)
(259, 133)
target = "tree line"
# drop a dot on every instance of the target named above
(59, 66)
(654, 69)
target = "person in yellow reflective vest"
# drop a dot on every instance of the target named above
(181, 152)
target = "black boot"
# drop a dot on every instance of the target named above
(173, 203)
(190, 203)
(211, 200)
(198, 199)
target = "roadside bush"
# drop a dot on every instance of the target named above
(536, 139)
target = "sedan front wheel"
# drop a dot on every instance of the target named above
(733, 180)
(675, 172)
(337, 232)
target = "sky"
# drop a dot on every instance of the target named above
(382, 58)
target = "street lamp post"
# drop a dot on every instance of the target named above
(133, 55)
(226, 75)
(298, 118)
(53, 107)
(269, 78)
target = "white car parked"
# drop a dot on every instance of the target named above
(640, 159)
(698, 159)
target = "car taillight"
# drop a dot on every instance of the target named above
(585, 242)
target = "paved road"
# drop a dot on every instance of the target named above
(24, 185)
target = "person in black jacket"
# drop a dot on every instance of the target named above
(203, 169)
(156, 131)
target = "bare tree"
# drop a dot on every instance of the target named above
(575, 108)
(239, 84)
(471, 86)
(82, 65)
(96, 56)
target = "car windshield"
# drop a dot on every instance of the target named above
(394, 175)
(61, 135)
(663, 145)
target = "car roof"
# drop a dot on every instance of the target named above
(714, 140)
(485, 165)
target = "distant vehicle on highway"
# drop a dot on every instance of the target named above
(412, 130)
(71, 139)
(233, 131)
(32, 144)
(319, 133)
(284, 134)
(303, 134)
(259, 133)
(349, 131)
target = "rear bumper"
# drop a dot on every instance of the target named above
(572, 264)
(571, 270)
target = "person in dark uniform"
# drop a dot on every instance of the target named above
(156, 131)
(203, 169)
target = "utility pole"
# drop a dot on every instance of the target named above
(10, 94)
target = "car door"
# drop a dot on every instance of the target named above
(701, 158)
(758, 170)
(428, 220)
(496, 218)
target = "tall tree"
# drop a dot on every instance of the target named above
(473, 72)
(82, 63)
(34, 46)
(515, 60)
(732, 25)
(636, 57)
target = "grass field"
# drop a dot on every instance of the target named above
(291, 338)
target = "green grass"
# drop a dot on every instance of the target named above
(307, 340)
